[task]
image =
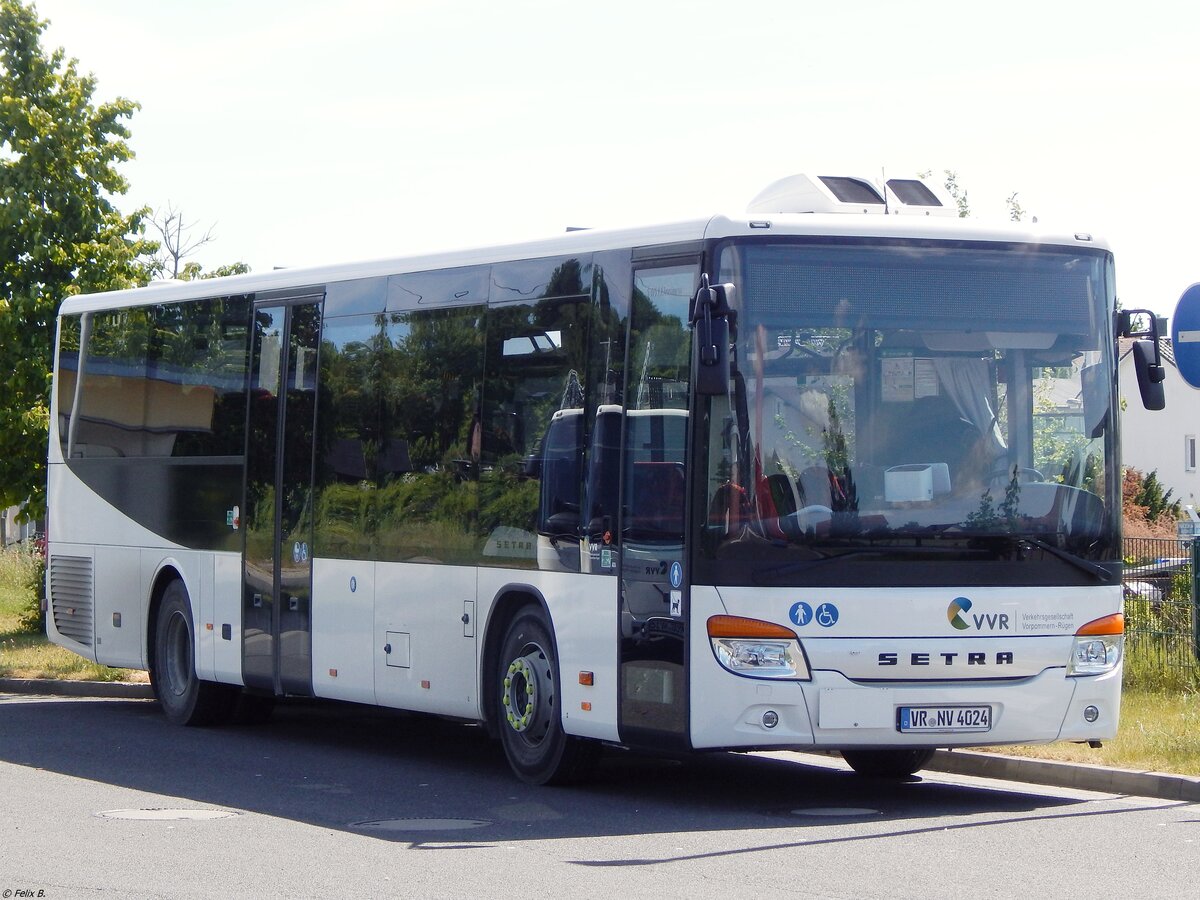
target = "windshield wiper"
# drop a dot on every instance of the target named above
(1066, 556)
(808, 565)
(1022, 541)
(1094, 569)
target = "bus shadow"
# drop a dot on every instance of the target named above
(437, 784)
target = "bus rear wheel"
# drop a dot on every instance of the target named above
(892, 763)
(528, 711)
(185, 699)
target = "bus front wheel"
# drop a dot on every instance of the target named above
(528, 711)
(185, 699)
(892, 763)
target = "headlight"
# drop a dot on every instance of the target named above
(757, 649)
(1098, 646)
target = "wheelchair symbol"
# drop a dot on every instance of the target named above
(827, 615)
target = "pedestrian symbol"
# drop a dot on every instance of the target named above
(801, 613)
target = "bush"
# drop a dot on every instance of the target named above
(1147, 509)
(33, 617)
(22, 581)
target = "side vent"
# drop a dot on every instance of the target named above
(71, 597)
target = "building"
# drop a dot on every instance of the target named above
(1161, 441)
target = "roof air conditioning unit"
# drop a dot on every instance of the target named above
(914, 197)
(818, 194)
(851, 194)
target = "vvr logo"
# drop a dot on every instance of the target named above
(958, 606)
(991, 621)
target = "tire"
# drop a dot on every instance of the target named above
(527, 706)
(185, 699)
(888, 763)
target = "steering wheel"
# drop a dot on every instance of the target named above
(1025, 475)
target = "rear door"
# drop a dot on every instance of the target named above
(277, 508)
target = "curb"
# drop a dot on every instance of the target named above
(1082, 776)
(49, 686)
(1053, 773)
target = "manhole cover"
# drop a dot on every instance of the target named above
(167, 815)
(420, 824)
(829, 812)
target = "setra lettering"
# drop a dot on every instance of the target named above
(948, 658)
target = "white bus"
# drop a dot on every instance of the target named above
(808, 477)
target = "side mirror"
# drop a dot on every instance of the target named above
(1146, 359)
(710, 317)
(1150, 374)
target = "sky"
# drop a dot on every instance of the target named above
(308, 132)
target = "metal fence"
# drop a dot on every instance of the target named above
(1161, 623)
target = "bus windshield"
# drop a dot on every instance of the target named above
(897, 404)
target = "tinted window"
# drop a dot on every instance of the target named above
(430, 365)
(460, 287)
(350, 439)
(361, 296)
(533, 427)
(164, 380)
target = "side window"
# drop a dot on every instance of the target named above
(427, 462)
(198, 358)
(532, 428)
(657, 400)
(612, 276)
(110, 419)
(69, 336)
(350, 440)
(158, 381)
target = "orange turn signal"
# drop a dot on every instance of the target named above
(741, 627)
(1114, 624)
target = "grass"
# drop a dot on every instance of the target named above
(1160, 732)
(1160, 726)
(27, 654)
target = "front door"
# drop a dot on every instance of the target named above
(277, 508)
(653, 581)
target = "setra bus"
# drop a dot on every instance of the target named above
(808, 477)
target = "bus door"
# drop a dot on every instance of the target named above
(653, 601)
(277, 506)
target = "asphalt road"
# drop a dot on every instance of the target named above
(102, 798)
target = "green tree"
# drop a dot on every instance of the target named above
(958, 193)
(192, 271)
(1016, 212)
(1156, 501)
(59, 231)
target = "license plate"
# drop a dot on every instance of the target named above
(945, 718)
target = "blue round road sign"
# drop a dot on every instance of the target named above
(1185, 335)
